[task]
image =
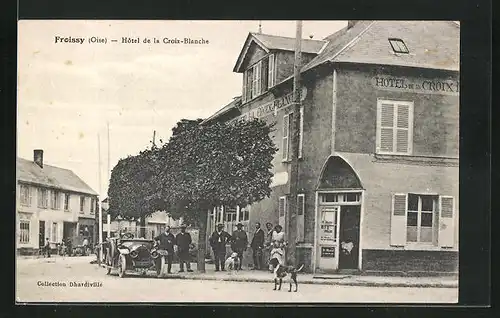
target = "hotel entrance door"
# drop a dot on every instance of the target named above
(349, 237)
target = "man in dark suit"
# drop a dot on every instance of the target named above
(184, 242)
(257, 245)
(239, 242)
(218, 242)
(166, 242)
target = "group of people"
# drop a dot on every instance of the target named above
(182, 242)
(264, 245)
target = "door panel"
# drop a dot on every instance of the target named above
(328, 246)
(41, 233)
(349, 237)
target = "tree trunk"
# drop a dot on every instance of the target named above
(202, 241)
(142, 230)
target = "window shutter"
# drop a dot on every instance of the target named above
(402, 128)
(301, 130)
(249, 84)
(244, 92)
(286, 130)
(282, 211)
(271, 73)
(386, 127)
(300, 217)
(398, 220)
(263, 77)
(30, 195)
(447, 212)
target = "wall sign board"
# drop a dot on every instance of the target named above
(422, 86)
(328, 251)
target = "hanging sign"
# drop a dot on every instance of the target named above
(422, 86)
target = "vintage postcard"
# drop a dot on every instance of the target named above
(237, 161)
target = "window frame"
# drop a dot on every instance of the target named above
(55, 200)
(82, 204)
(433, 213)
(43, 198)
(401, 48)
(395, 128)
(54, 227)
(253, 84)
(26, 195)
(66, 203)
(22, 233)
(92, 204)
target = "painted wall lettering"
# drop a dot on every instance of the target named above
(268, 108)
(446, 87)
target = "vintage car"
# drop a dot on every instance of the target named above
(134, 254)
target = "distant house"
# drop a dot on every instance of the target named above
(51, 202)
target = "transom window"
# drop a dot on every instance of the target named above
(394, 127)
(340, 197)
(398, 46)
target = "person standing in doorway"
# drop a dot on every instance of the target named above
(218, 242)
(257, 246)
(278, 244)
(166, 242)
(184, 242)
(239, 242)
(85, 246)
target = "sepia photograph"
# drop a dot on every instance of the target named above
(237, 161)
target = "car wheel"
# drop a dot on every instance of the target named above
(122, 266)
(160, 266)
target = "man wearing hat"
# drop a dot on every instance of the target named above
(218, 242)
(239, 242)
(184, 242)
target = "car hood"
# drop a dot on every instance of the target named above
(132, 245)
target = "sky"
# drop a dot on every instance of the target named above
(70, 93)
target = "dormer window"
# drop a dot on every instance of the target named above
(398, 46)
(259, 77)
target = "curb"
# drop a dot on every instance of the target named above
(320, 282)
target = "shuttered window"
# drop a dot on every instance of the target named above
(422, 219)
(271, 74)
(282, 206)
(25, 194)
(43, 198)
(285, 144)
(301, 206)
(394, 127)
(264, 75)
(256, 82)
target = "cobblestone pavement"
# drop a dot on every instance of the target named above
(33, 273)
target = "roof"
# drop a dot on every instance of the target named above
(274, 42)
(51, 176)
(233, 104)
(432, 44)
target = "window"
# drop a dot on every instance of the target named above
(66, 201)
(244, 214)
(422, 219)
(25, 195)
(24, 232)
(271, 73)
(285, 144)
(82, 203)
(398, 46)
(301, 206)
(256, 80)
(56, 200)
(43, 198)
(394, 127)
(53, 232)
(301, 130)
(230, 214)
(92, 205)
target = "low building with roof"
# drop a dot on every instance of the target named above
(53, 203)
(378, 145)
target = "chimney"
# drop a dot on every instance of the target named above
(38, 157)
(351, 23)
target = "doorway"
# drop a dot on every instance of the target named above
(349, 237)
(41, 234)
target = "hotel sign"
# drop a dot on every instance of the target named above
(271, 107)
(423, 86)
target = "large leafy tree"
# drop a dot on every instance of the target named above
(132, 194)
(209, 166)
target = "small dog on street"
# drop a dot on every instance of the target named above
(281, 271)
(233, 262)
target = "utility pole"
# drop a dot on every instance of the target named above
(108, 216)
(154, 137)
(294, 164)
(100, 192)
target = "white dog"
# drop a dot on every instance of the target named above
(233, 262)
